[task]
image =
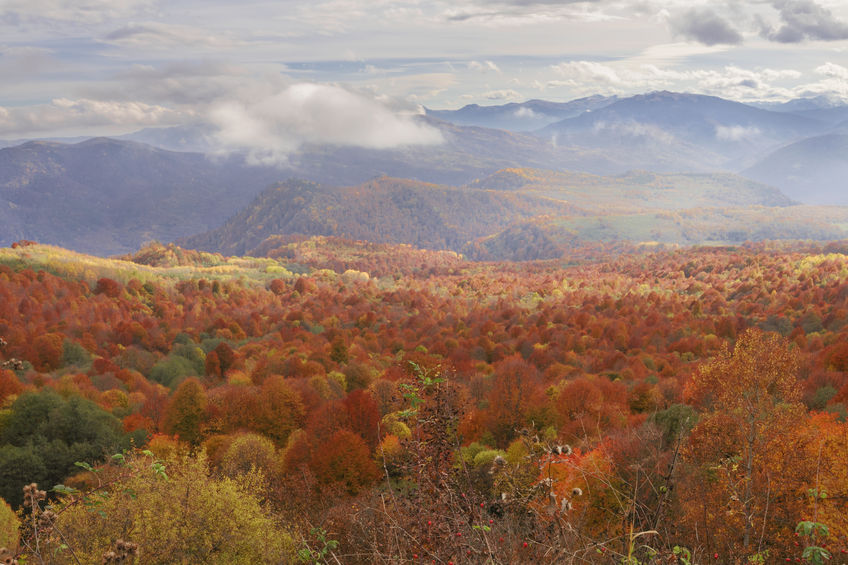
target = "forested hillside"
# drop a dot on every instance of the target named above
(361, 403)
(523, 214)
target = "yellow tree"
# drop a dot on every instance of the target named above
(187, 411)
(749, 400)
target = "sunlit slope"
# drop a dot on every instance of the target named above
(637, 189)
(548, 238)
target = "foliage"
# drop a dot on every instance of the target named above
(184, 515)
(9, 525)
(374, 405)
(43, 436)
(186, 412)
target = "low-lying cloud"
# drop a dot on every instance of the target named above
(635, 129)
(63, 115)
(737, 133)
(265, 117)
(269, 128)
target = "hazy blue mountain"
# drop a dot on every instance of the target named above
(669, 131)
(813, 170)
(820, 102)
(468, 152)
(522, 117)
(191, 138)
(105, 196)
(15, 142)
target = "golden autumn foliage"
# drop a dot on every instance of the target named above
(744, 442)
(182, 514)
(9, 525)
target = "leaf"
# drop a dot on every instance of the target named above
(62, 489)
(85, 466)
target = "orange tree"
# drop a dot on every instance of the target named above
(750, 406)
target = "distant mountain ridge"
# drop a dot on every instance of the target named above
(668, 131)
(105, 196)
(813, 169)
(523, 116)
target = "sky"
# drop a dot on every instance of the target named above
(268, 76)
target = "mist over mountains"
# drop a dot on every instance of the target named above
(599, 157)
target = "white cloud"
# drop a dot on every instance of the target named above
(63, 115)
(525, 112)
(504, 94)
(483, 67)
(636, 129)
(269, 128)
(737, 133)
(833, 70)
(736, 83)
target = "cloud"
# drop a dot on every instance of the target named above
(505, 94)
(519, 12)
(24, 61)
(802, 20)
(177, 84)
(736, 133)
(705, 26)
(483, 67)
(834, 84)
(269, 128)
(833, 70)
(637, 130)
(525, 112)
(63, 114)
(159, 35)
(578, 72)
(73, 11)
(588, 77)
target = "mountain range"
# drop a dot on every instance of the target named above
(522, 117)
(596, 157)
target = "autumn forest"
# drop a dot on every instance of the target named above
(349, 402)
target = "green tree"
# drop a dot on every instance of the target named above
(44, 434)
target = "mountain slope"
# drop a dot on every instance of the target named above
(390, 210)
(668, 131)
(812, 170)
(105, 196)
(522, 117)
(550, 238)
(384, 210)
(637, 190)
